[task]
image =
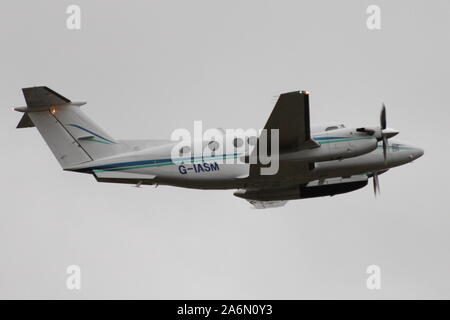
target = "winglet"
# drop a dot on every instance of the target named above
(41, 99)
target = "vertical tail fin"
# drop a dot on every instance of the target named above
(71, 135)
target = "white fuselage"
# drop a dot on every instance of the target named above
(227, 171)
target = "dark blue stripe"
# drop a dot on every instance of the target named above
(88, 131)
(145, 162)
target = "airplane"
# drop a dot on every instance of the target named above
(313, 161)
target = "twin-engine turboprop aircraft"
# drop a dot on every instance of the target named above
(312, 162)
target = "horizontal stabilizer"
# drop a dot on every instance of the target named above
(43, 96)
(70, 134)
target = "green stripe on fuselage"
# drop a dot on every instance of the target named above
(342, 140)
(170, 163)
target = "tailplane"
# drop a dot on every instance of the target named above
(71, 135)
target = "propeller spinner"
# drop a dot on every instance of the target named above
(382, 133)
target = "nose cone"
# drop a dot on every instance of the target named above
(415, 153)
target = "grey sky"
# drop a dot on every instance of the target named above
(148, 67)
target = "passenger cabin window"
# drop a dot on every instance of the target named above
(184, 151)
(213, 145)
(238, 142)
(252, 141)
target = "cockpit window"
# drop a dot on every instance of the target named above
(331, 128)
(395, 147)
(339, 126)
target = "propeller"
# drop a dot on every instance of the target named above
(376, 184)
(384, 137)
(382, 133)
(383, 117)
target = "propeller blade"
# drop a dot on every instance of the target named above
(385, 145)
(383, 117)
(376, 184)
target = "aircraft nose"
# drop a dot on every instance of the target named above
(416, 153)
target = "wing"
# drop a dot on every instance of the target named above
(275, 196)
(291, 117)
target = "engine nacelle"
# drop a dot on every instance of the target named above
(333, 186)
(339, 144)
(317, 188)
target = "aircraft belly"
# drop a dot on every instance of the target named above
(196, 171)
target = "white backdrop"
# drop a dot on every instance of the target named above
(148, 67)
